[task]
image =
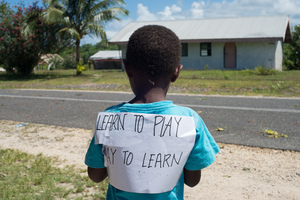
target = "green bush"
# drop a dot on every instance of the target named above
(226, 77)
(206, 67)
(291, 56)
(69, 62)
(260, 70)
(24, 36)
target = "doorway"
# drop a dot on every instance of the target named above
(230, 55)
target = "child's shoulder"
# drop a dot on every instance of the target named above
(115, 108)
(185, 111)
(163, 107)
(167, 107)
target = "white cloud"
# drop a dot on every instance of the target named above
(212, 9)
(197, 9)
(111, 29)
(241, 8)
(144, 14)
(115, 26)
(288, 7)
(119, 24)
(176, 9)
(168, 12)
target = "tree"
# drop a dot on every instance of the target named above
(102, 45)
(5, 17)
(87, 50)
(292, 51)
(83, 17)
(20, 50)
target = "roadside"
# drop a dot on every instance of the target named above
(239, 172)
(205, 82)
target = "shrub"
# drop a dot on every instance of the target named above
(80, 68)
(226, 77)
(260, 70)
(206, 67)
(24, 37)
(291, 56)
(69, 62)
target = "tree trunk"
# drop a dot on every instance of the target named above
(77, 51)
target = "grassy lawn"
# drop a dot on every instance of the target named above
(210, 82)
(25, 176)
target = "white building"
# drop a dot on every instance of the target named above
(107, 59)
(225, 43)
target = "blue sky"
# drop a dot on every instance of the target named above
(156, 10)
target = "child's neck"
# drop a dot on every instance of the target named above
(150, 96)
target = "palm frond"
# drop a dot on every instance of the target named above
(72, 32)
(54, 15)
(105, 4)
(29, 24)
(109, 15)
(93, 29)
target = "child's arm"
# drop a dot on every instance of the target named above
(97, 174)
(192, 178)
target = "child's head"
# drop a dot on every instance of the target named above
(153, 51)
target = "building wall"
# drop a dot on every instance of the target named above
(123, 49)
(279, 55)
(195, 61)
(253, 54)
(111, 64)
(248, 56)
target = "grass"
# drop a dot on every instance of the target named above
(210, 82)
(243, 82)
(25, 176)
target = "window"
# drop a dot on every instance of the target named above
(205, 49)
(184, 49)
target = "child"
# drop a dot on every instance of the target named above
(150, 147)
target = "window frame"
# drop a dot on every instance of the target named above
(184, 49)
(205, 49)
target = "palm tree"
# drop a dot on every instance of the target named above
(83, 17)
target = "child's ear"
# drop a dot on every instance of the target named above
(176, 73)
(127, 68)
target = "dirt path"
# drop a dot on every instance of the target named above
(239, 172)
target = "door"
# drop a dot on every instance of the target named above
(230, 55)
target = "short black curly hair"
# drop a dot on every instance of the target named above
(154, 50)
